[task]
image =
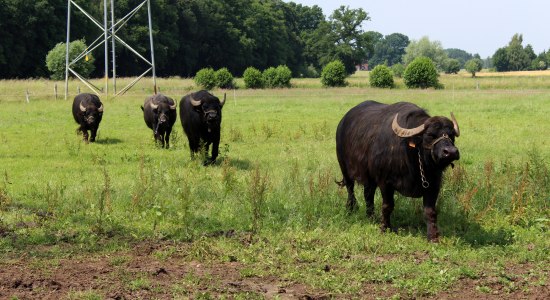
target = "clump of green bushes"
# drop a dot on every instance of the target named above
(381, 76)
(271, 77)
(421, 73)
(334, 74)
(208, 79)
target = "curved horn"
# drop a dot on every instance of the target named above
(194, 102)
(455, 125)
(173, 107)
(404, 132)
(100, 109)
(154, 106)
(224, 97)
(82, 108)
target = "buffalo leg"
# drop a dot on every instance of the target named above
(430, 214)
(351, 204)
(94, 133)
(387, 207)
(84, 134)
(215, 149)
(194, 146)
(167, 138)
(368, 192)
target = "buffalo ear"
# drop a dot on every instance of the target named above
(142, 108)
(223, 102)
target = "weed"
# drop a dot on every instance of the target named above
(258, 186)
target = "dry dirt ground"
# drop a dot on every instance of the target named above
(139, 274)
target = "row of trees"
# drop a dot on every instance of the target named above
(190, 35)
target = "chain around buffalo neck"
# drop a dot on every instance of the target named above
(425, 183)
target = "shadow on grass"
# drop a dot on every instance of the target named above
(108, 141)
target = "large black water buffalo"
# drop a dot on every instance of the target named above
(87, 112)
(159, 113)
(201, 117)
(396, 147)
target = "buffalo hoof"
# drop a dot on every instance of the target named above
(384, 229)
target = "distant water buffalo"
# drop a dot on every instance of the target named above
(159, 113)
(201, 117)
(396, 147)
(87, 112)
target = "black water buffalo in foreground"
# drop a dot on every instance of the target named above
(201, 117)
(396, 147)
(87, 112)
(159, 113)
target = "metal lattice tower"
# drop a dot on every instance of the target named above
(108, 33)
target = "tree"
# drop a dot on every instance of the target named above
(421, 73)
(389, 49)
(334, 74)
(56, 58)
(425, 47)
(473, 65)
(451, 66)
(459, 54)
(518, 58)
(500, 60)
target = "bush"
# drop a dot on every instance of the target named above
(334, 74)
(381, 76)
(269, 76)
(253, 78)
(224, 79)
(398, 70)
(282, 76)
(55, 60)
(206, 78)
(421, 73)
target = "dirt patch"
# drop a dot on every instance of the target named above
(146, 272)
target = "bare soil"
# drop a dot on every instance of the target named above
(140, 274)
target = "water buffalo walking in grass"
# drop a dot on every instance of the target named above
(396, 147)
(201, 117)
(87, 112)
(159, 113)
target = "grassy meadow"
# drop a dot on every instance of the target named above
(271, 203)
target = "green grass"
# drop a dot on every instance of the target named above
(275, 184)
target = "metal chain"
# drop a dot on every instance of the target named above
(425, 183)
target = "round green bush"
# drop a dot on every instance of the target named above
(55, 60)
(206, 78)
(381, 76)
(334, 74)
(421, 73)
(270, 77)
(224, 79)
(398, 70)
(253, 78)
(282, 76)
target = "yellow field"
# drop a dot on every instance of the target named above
(506, 74)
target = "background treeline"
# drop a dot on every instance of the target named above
(190, 35)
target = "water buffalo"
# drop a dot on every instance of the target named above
(87, 112)
(159, 113)
(396, 147)
(201, 117)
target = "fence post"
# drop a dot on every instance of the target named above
(55, 90)
(27, 95)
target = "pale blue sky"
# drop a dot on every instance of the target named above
(480, 26)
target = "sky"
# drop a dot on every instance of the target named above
(480, 26)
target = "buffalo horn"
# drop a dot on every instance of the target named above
(82, 108)
(455, 125)
(173, 107)
(404, 132)
(100, 109)
(195, 102)
(223, 102)
(154, 106)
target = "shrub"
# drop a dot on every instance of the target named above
(269, 75)
(55, 60)
(224, 79)
(381, 76)
(253, 78)
(206, 78)
(334, 74)
(282, 76)
(398, 70)
(421, 73)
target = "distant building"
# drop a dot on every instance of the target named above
(362, 67)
